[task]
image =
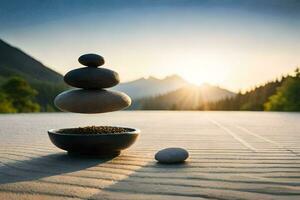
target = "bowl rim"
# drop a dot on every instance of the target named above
(133, 132)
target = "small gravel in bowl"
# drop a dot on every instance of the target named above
(95, 130)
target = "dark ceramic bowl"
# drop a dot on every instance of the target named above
(108, 144)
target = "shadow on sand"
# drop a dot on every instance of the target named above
(145, 183)
(45, 166)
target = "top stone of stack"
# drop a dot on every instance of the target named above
(91, 60)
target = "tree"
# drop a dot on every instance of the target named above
(6, 105)
(287, 97)
(21, 95)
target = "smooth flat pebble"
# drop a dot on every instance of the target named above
(91, 60)
(171, 155)
(92, 78)
(91, 101)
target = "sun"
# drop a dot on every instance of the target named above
(194, 80)
(207, 75)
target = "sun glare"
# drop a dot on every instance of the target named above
(212, 75)
(194, 79)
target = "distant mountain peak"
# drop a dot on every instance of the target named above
(151, 86)
(152, 78)
(189, 97)
(15, 62)
(174, 77)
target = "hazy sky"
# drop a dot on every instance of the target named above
(234, 44)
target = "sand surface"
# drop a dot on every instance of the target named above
(233, 155)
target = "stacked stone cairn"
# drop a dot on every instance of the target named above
(90, 95)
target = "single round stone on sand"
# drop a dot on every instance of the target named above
(91, 101)
(171, 155)
(92, 78)
(91, 60)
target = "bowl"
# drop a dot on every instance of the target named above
(104, 144)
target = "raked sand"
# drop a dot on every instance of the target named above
(233, 155)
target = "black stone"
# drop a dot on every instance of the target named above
(91, 60)
(91, 101)
(92, 78)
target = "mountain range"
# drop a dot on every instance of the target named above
(14, 61)
(168, 93)
(172, 92)
(48, 83)
(150, 87)
(189, 97)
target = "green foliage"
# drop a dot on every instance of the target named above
(283, 95)
(48, 83)
(46, 93)
(21, 95)
(6, 105)
(46, 90)
(252, 100)
(287, 97)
